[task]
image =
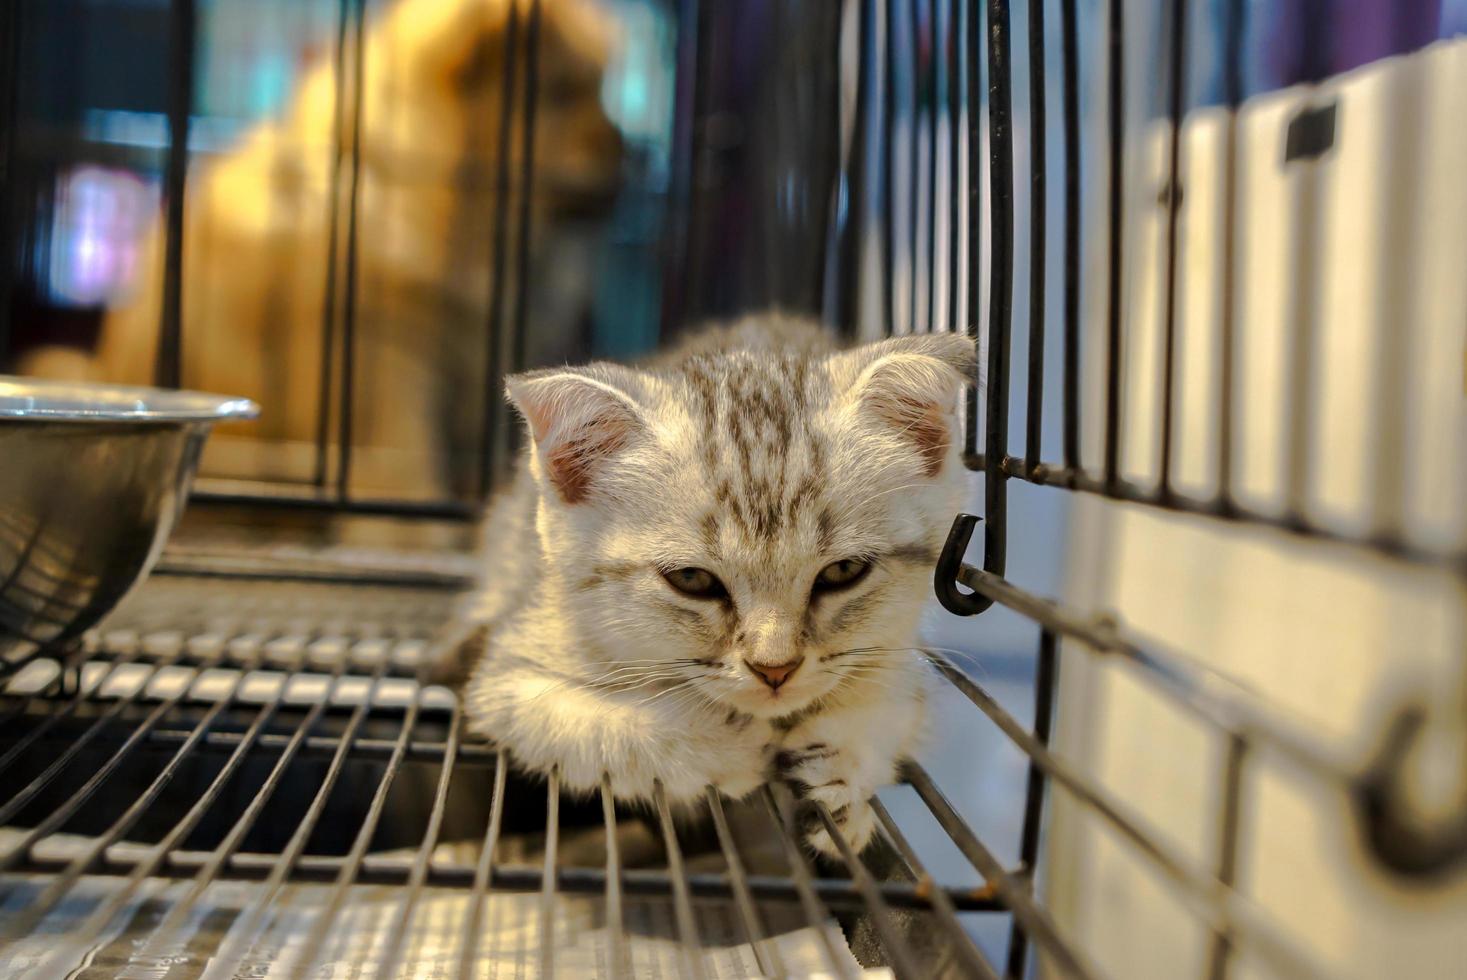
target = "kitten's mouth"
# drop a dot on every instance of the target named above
(778, 703)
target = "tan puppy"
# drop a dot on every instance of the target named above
(257, 232)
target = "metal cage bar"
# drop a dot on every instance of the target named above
(1115, 234)
(10, 53)
(168, 371)
(549, 876)
(943, 907)
(810, 902)
(900, 956)
(1038, 167)
(352, 866)
(924, 121)
(347, 401)
(1000, 278)
(398, 932)
(1071, 92)
(682, 902)
(621, 963)
(333, 230)
(483, 870)
(766, 955)
(1045, 684)
(527, 177)
(957, 63)
(1232, 71)
(1176, 102)
(1014, 895)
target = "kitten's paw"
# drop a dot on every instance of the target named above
(819, 773)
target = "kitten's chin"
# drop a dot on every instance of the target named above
(766, 704)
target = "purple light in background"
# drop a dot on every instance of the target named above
(96, 235)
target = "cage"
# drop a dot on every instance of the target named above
(1233, 359)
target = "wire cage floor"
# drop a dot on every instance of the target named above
(224, 727)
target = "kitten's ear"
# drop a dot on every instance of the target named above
(578, 417)
(911, 383)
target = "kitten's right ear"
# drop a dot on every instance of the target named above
(579, 418)
(910, 383)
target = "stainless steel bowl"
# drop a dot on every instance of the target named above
(93, 479)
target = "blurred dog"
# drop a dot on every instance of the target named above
(257, 244)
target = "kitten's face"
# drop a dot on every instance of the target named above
(754, 527)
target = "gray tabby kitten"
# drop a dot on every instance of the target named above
(710, 569)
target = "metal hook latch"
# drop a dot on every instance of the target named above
(1402, 844)
(950, 563)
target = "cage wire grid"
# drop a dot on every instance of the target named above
(318, 655)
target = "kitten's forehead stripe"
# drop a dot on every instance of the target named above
(768, 466)
(826, 525)
(710, 533)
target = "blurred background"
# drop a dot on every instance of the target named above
(380, 207)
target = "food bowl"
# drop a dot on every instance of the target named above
(93, 479)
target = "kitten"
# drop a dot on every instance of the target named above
(709, 570)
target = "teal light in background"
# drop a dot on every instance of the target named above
(637, 93)
(637, 88)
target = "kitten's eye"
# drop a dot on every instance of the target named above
(696, 582)
(841, 574)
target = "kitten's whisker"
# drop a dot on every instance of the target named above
(879, 682)
(672, 687)
(892, 669)
(873, 669)
(593, 683)
(684, 687)
(649, 662)
(658, 664)
(681, 668)
(640, 673)
(612, 701)
(966, 655)
(692, 696)
(633, 684)
(559, 685)
(661, 694)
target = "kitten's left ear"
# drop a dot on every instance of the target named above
(911, 383)
(579, 418)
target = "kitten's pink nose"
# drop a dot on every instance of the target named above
(775, 674)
